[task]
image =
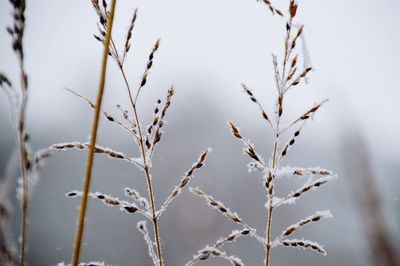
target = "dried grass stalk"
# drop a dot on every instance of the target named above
(93, 139)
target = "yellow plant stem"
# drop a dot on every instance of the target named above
(93, 138)
(270, 208)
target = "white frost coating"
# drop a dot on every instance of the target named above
(209, 251)
(306, 53)
(306, 221)
(325, 214)
(142, 227)
(132, 193)
(92, 263)
(304, 244)
(254, 167)
(285, 172)
(289, 171)
(292, 197)
(275, 200)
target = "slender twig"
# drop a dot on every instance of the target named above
(150, 188)
(270, 199)
(90, 159)
(140, 140)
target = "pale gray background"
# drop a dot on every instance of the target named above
(208, 49)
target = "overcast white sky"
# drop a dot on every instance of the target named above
(353, 44)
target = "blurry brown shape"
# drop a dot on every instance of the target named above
(8, 255)
(366, 195)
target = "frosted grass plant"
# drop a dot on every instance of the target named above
(144, 138)
(288, 74)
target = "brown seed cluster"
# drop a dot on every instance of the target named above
(304, 244)
(272, 8)
(232, 237)
(98, 149)
(17, 30)
(249, 149)
(149, 64)
(313, 218)
(158, 122)
(4, 80)
(142, 201)
(185, 180)
(217, 205)
(317, 172)
(127, 46)
(208, 252)
(109, 201)
(254, 99)
(290, 143)
(315, 184)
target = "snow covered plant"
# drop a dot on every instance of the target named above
(287, 75)
(146, 139)
(30, 162)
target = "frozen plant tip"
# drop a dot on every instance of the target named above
(287, 74)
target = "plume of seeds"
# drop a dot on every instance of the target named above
(271, 7)
(142, 201)
(109, 201)
(92, 263)
(148, 67)
(254, 99)
(98, 149)
(129, 36)
(297, 226)
(305, 116)
(154, 123)
(217, 205)
(185, 180)
(107, 115)
(249, 148)
(290, 143)
(232, 237)
(4, 81)
(159, 121)
(305, 188)
(303, 244)
(142, 227)
(311, 172)
(220, 207)
(207, 252)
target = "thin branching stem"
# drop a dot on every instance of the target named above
(150, 188)
(154, 216)
(25, 175)
(270, 207)
(93, 138)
